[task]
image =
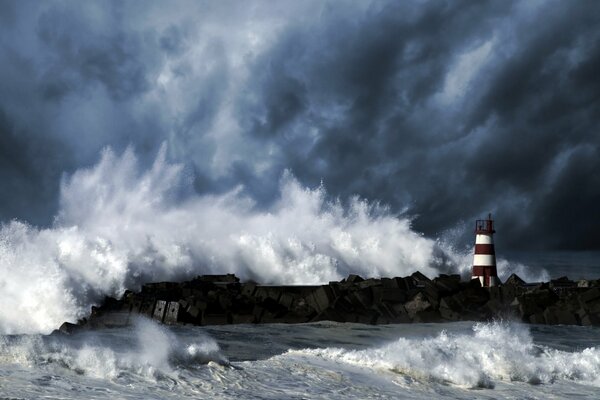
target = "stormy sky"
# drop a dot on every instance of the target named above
(442, 110)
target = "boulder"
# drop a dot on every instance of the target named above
(417, 304)
(514, 280)
(172, 313)
(559, 316)
(321, 298)
(160, 308)
(590, 295)
(248, 289)
(226, 278)
(68, 328)
(352, 278)
(390, 295)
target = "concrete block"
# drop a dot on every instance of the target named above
(248, 289)
(514, 280)
(590, 320)
(390, 295)
(557, 316)
(68, 328)
(321, 298)
(537, 318)
(352, 278)
(242, 318)
(420, 278)
(160, 307)
(172, 313)
(429, 315)
(371, 282)
(215, 319)
(590, 295)
(417, 304)
(286, 300)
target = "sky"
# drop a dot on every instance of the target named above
(442, 111)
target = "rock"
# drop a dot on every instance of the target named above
(451, 309)
(447, 284)
(590, 295)
(590, 320)
(215, 319)
(354, 279)
(227, 278)
(248, 289)
(321, 298)
(417, 304)
(159, 310)
(558, 316)
(390, 295)
(68, 328)
(360, 299)
(419, 278)
(242, 318)
(429, 315)
(221, 299)
(537, 318)
(286, 300)
(514, 280)
(172, 313)
(371, 282)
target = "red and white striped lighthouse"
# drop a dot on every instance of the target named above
(484, 261)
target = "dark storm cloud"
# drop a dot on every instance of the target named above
(452, 109)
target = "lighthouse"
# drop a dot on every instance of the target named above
(484, 261)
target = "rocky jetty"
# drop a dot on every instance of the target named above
(223, 299)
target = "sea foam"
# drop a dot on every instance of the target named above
(119, 226)
(491, 352)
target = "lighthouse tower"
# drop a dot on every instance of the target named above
(484, 261)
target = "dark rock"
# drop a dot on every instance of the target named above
(321, 298)
(371, 282)
(419, 278)
(68, 328)
(558, 316)
(227, 278)
(590, 295)
(221, 299)
(447, 284)
(215, 319)
(159, 310)
(514, 280)
(417, 304)
(537, 318)
(172, 313)
(248, 289)
(354, 279)
(390, 295)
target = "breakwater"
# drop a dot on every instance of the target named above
(223, 299)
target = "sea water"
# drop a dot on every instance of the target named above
(464, 360)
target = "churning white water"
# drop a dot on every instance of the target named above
(119, 226)
(323, 360)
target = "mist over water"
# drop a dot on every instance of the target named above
(119, 226)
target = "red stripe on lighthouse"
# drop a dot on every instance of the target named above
(484, 249)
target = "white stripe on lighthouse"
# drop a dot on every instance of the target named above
(484, 260)
(483, 239)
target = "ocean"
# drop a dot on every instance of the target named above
(463, 360)
(466, 360)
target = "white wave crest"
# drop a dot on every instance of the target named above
(119, 226)
(154, 352)
(493, 352)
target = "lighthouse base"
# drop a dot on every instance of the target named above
(487, 281)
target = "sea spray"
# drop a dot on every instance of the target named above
(119, 226)
(492, 352)
(151, 350)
